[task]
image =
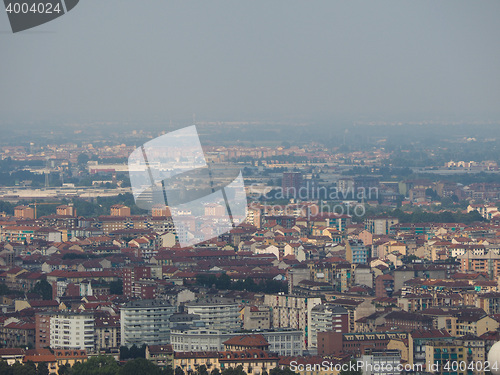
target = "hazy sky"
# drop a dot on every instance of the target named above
(256, 58)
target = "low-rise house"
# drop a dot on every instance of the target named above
(160, 355)
(191, 361)
(246, 342)
(253, 361)
(70, 357)
(42, 356)
(12, 355)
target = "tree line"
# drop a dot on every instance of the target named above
(224, 282)
(107, 365)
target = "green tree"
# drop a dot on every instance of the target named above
(136, 352)
(5, 369)
(139, 366)
(124, 353)
(353, 369)
(279, 371)
(42, 369)
(116, 287)
(29, 368)
(4, 290)
(7, 207)
(64, 370)
(234, 371)
(223, 282)
(215, 371)
(202, 370)
(100, 365)
(44, 289)
(178, 371)
(83, 159)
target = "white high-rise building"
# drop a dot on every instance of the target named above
(217, 313)
(326, 317)
(69, 330)
(146, 322)
(292, 311)
(285, 342)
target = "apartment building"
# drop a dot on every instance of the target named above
(285, 342)
(217, 313)
(291, 184)
(70, 330)
(256, 317)
(119, 210)
(357, 308)
(380, 225)
(160, 210)
(110, 224)
(475, 350)
(333, 343)
(42, 330)
(145, 322)
(198, 339)
(473, 262)
(15, 333)
(138, 282)
(489, 302)
(66, 210)
(17, 233)
(331, 220)
(24, 212)
(381, 362)
(289, 311)
(421, 338)
(107, 332)
(356, 252)
(326, 317)
(442, 355)
(475, 324)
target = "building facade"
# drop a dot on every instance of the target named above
(145, 322)
(289, 311)
(70, 330)
(285, 342)
(325, 318)
(218, 314)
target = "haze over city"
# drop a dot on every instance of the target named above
(256, 60)
(250, 188)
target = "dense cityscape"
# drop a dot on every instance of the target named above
(350, 251)
(259, 187)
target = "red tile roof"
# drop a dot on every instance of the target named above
(256, 341)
